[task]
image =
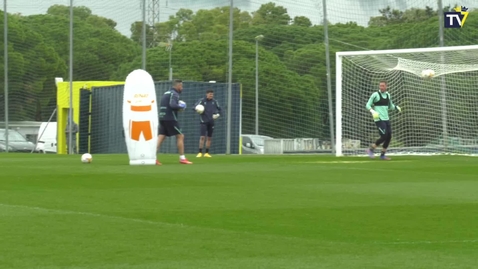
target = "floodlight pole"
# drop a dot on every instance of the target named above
(169, 47)
(143, 36)
(170, 66)
(5, 58)
(329, 82)
(442, 78)
(70, 111)
(257, 38)
(229, 82)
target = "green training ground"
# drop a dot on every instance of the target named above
(238, 212)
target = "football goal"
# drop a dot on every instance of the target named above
(436, 88)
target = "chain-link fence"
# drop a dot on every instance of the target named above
(53, 49)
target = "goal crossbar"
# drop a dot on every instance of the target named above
(402, 51)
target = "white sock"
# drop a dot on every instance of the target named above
(182, 157)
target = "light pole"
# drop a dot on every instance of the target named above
(169, 47)
(143, 36)
(258, 38)
(5, 69)
(70, 69)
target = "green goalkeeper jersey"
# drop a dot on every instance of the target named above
(381, 103)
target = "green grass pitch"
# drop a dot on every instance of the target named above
(238, 212)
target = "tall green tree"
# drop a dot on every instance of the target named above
(82, 13)
(97, 51)
(269, 13)
(203, 25)
(137, 33)
(32, 67)
(301, 21)
(390, 16)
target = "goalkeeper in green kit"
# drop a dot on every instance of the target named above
(378, 104)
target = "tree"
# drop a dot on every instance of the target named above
(137, 32)
(388, 16)
(182, 16)
(32, 68)
(302, 21)
(271, 14)
(425, 34)
(82, 13)
(97, 51)
(101, 22)
(391, 16)
(281, 38)
(204, 24)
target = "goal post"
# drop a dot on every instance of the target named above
(439, 113)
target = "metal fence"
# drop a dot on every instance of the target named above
(281, 52)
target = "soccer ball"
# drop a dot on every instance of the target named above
(428, 73)
(200, 109)
(86, 158)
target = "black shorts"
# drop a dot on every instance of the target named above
(384, 127)
(207, 128)
(169, 128)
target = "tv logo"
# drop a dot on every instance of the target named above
(457, 18)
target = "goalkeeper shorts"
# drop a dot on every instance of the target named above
(384, 127)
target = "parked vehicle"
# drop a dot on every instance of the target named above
(16, 142)
(46, 141)
(253, 144)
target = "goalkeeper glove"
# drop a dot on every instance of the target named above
(215, 116)
(375, 115)
(182, 104)
(399, 109)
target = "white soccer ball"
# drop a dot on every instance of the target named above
(86, 158)
(428, 73)
(200, 109)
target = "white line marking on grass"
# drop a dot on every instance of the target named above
(167, 224)
(68, 212)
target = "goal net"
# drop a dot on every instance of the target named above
(439, 114)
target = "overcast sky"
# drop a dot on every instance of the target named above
(124, 12)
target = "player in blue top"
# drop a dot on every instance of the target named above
(168, 119)
(378, 104)
(207, 118)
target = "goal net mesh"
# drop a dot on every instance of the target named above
(439, 114)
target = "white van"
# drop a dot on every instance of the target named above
(253, 144)
(46, 141)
